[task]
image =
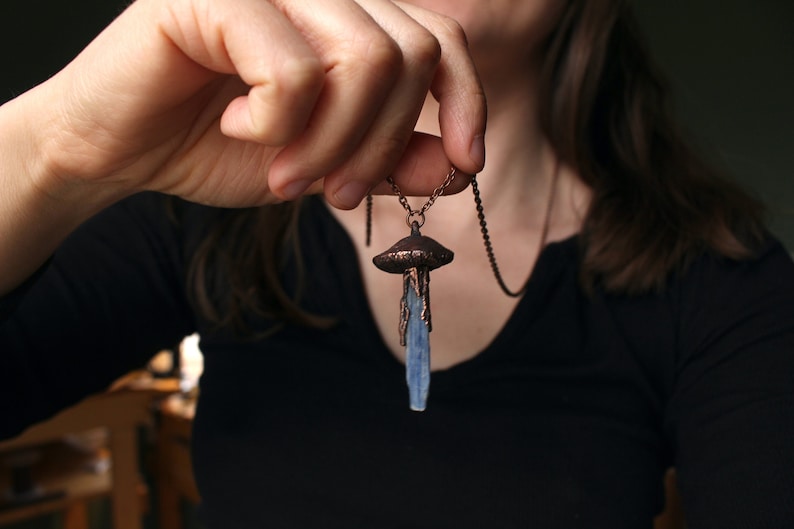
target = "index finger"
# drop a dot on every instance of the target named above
(457, 88)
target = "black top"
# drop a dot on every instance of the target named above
(568, 419)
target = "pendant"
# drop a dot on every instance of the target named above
(413, 257)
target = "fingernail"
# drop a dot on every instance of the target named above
(477, 151)
(295, 189)
(352, 193)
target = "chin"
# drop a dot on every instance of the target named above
(505, 26)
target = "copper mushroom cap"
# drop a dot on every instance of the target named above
(414, 251)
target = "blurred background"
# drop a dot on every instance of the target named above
(731, 64)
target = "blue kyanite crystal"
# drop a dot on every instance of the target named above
(417, 349)
(414, 257)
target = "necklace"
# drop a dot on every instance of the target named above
(414, 257)
(486, 238)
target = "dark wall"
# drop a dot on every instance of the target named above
(731, 62)
(38, 37)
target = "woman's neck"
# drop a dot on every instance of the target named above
(519, 170)
(519, 160)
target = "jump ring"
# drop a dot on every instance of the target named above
(409, 219)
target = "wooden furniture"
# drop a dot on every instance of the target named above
(121, 411)
(174, 474)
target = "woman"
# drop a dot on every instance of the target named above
(650, 321)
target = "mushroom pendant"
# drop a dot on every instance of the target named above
(413, 257)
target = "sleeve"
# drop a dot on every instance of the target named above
(731, 413)
(110, 297)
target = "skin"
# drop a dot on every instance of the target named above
(247, 102)
(469, 309)
(236, 103)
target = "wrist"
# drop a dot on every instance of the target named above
(38, 207)
(55, 169)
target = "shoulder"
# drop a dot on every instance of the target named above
(732, 405)
(718, 298)
(717, 311)
(734, 332)
(771, 267)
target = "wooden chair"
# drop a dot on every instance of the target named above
(121, 411)
(174, 473)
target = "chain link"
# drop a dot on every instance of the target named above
(486, 238)
(418, 215)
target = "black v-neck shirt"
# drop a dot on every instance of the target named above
(568, 419)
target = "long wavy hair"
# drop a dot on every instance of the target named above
(606, 110)
(656, 205)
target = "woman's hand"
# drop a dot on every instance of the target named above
(245, 102)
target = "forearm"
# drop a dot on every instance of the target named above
(38, 209)
(211, 102)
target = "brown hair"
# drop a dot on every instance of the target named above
(656, 205)
(233, 273)
(605, 109)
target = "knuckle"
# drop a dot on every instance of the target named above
(389, 149)
(424, 50)
(383, 53)
(376, 58)
(451, 30)
(277, 106)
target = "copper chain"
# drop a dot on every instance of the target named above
(486, 238)
(420, 213)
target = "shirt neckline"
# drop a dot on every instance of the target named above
(550, 266)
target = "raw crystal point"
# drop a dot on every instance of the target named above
(417, 352)
(414, 257)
